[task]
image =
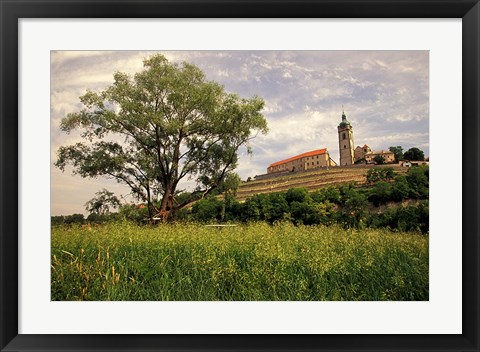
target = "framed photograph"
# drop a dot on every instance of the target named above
(309, 243)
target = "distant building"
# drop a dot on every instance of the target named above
(345, 141)
(314, 159)
(388, 156)
(409, 163)
(360, 152)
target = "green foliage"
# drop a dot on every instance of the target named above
(94, 218)
(398, 153)
(254, 262)
(101, 204)
(379, 160)
(296, 195)
(347, 205)
(175, 124)
(414, 154)
(136, 213)
(412, 218)
(74, 219)
(251, 209)
(353, 209)
(330, 194)
(400, 189)
(276, 207)
(380, 174)
(304, 213)
(207, 210)
(381, 193)
(417, 178)
(229, 185)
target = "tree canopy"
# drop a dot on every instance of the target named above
(165, 124)
(398, 152)
(102, 202)
(414, 154)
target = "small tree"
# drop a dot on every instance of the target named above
(400, 189)
(228, 187)
(380, 174)
(102, 202)
(397, 152)
(74, 219)
(278, 208)
(207, 209)
(354, 207)
(418, 181)
(379, 159)
(296, 195)
(381, 193)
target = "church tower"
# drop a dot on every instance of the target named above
(345, 141)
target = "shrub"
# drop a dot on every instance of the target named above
(304, 213)
(417, 177)
(413, 218)
(132, 212)
(380, 174)
(330, 194)
(74, 219)
(296, 195)
(277, 208)
(400, 189)
(379, 159)
(354, 208)
(380, 194)
(207, 209)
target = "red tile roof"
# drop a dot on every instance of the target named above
(304, 155)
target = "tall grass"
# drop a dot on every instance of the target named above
(191, 262)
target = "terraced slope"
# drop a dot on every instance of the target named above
(310, 180)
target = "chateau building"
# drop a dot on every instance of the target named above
(388, 156)
(307, 161)
(360, 152)
(345, 141)
(368, 155)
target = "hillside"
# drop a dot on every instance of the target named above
(310, 180)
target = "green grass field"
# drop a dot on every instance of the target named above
(191, 262)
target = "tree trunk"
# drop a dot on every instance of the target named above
(149, 205)
(166, 205)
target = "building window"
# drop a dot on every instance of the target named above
(344, 146)
(344, 137)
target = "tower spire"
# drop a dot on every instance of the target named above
(344, 117)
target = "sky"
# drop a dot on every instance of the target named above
(385, 95)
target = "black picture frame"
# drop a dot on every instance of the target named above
(12, 10)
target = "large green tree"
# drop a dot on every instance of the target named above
(165, 124)
(414, 154)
